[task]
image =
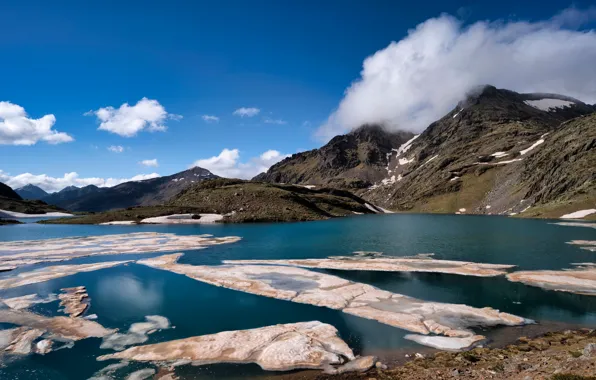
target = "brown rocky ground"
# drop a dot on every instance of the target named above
(566, 355)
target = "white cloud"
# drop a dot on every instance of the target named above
(128, 120)
(227, 163)
(16, 128)
(150, 163)
(210, 118)
(52, 184)
(247, 112)
(417, 80)
(116, 148)
(274, 121)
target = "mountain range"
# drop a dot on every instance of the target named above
(128, 194)
(10, 200)
(497, 152)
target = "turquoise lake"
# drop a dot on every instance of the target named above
(126, 294)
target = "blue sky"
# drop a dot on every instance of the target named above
(293, 60)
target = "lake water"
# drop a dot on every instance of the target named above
(126, 294)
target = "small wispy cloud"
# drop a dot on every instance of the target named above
(247, 112)
(150, 163)
(210, 118)
(116, 148)
(274, 121)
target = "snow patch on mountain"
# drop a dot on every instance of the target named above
(549, 104)
(525, 151)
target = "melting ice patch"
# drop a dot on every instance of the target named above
(283, 347)
(137, 333)
(362, 300)
(579, 214)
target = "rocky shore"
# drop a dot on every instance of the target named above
(564, 355)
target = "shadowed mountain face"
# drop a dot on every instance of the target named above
(355, 160)
(31, 192)
(7, 192)
(497, 152)
(135, 193)
(11, 201)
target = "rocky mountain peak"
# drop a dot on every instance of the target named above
(31, 192)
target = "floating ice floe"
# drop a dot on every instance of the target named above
(20, 340)
(446, 343)
(582, 242)
(106, 372)
(304, 345)
(363, 300)
(579, 214)
(581, 280)
(56, 328)
(25, 302)
(16, 253)
(74, 300)
(137, 333)
(20, 215)
(184, 219)
(387, 264)
(141, 374)
(576, 224)
(52, 272)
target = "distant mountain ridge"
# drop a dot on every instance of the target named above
(497, 152)
(128, 194)
(10, 200)
(31, 192)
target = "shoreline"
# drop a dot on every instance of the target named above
(72, 220)
(534, 346)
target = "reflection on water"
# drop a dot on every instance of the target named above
(124, 295)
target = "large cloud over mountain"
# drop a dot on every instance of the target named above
(418, 79)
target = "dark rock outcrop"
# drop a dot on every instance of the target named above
(355, 160)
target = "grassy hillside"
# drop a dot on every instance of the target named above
(242, 201)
